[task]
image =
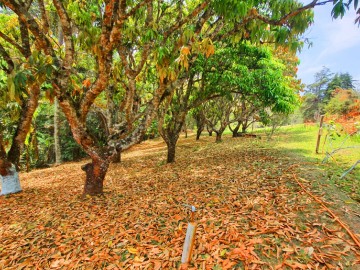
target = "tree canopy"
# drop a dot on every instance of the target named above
(121, 60)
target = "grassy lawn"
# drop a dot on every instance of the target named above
(301, 140)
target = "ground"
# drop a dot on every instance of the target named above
(251, 212)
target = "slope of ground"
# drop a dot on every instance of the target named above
(301, 140)
(251, 213)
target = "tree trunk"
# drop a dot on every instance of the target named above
(26, 115)
(10, 182)
(56, 132)
(56, 111)
(200, 124)
(236, 130)
(95, 175)
(185, 130)
(244, 127)
(218, 136)
(116, 158)
(198, 132)
(209, 130)
(171, 149)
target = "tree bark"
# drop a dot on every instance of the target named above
(244, 127)
(236, 130)
(56, 132)
(198, 132)
(116, 158)
(184, 128)
(218, 136)
(27, 112)
(171, 149)
(209, 130)
(95, 175)
(200, 124)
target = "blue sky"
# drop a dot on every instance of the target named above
(336, 45)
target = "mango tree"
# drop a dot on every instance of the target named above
(139, 42)
(23, 71)
(255, 81)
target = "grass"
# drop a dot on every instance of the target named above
(301, 140)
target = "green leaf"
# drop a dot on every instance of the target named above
(338, 10)
(356, 2)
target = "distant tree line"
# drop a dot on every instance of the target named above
(332, 95)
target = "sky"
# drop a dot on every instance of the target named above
(336, 45)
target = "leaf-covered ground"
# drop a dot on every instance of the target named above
(251, 213)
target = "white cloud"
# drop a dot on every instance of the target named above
(336, 45)
(340, 35)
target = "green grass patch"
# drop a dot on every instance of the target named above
(301, 140)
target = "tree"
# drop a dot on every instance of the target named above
(136, 46)
(245, 113)
(322, 79)
(26, 70)
(257, 81)
(321, 92)
(315, 95)
(198, 115)
(274, 121)
(242, 68)
(342, 80)
(218, 115)
(344, 108)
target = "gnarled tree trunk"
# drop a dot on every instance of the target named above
(95, 175)
(9, 162)
(235, 130)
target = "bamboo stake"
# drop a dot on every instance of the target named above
(189, 238)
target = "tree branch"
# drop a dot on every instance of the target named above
(8, 60)
(31, 24)
(12, 42)
(67, 35)
(188, 18)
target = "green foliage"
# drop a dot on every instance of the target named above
(253, 72)
(342, 102)
(341, 7)
(153, 131)
(39, 145)
(310, 107)
(340, 80)
(326, 95)
(162, 48)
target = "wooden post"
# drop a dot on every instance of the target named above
(319, 134)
